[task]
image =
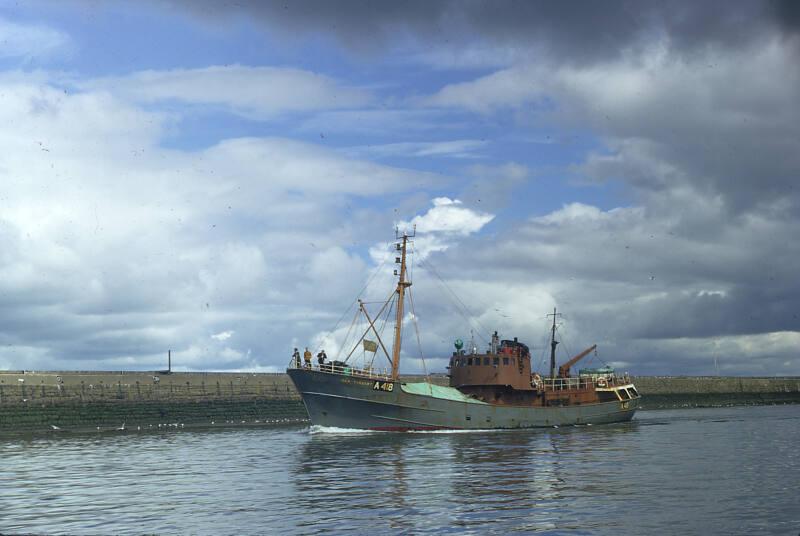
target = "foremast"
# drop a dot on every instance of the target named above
(402, 284)
(553, 344)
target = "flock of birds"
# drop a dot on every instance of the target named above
(166, 426)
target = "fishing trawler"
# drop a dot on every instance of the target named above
(495, 389)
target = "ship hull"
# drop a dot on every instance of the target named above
(343, 401)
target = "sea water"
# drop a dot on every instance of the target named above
(699, 471)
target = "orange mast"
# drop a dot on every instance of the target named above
(402, 284)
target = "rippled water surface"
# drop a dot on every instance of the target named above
(714, 471)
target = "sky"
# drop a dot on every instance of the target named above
(223, 180)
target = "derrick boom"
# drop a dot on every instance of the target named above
(563, 370)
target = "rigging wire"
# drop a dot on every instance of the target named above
(335, 326)
(414, 318)
(540, 364)
(385, 317)
(377, 270)
(561, 331)
(416, 330)
(543, 361)
(361, 292)
(460, 305)
(370, 325)
(389, 312)
(543, 356)
(595, 355)
(347, 335)
(419, 340)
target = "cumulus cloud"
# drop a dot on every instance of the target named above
(441, 227)
(449, 216)
(672, 247)
(114, 249)
(222, 335)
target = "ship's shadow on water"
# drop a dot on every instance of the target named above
(519, 475)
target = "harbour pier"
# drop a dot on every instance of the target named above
(92, 400)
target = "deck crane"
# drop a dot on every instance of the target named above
(563, 370)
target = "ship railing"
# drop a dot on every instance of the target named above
(585, 382)
(348, 370)
(560, 384)
(613, 380)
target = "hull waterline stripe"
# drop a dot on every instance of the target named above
(425, 424)
(393, 404)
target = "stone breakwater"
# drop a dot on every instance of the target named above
(107, 400)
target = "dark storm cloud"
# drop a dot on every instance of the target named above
(745, 311)
(577, 31)
(629, 275)
(696, 104)
(787, 15)
(726, 123)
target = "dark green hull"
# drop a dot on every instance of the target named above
(343, 401)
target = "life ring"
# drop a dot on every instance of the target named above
(601, 382)
(536, 381)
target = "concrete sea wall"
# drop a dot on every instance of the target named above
(705, 391)
(106, 400)
(91, 400)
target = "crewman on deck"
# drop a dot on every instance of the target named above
(321, 357)
(296, 358)
(307, 358)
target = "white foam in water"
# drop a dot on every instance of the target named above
(317, 429)
(459, 431)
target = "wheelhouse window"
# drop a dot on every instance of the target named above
(495, 361)
(469, 361)
(505, 361)
(485, 360)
